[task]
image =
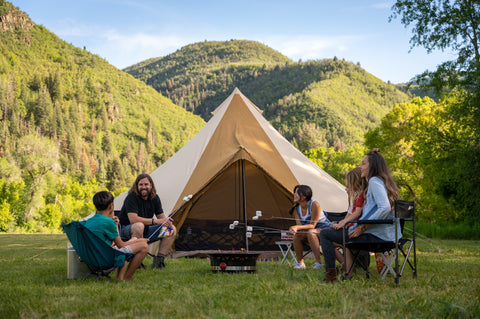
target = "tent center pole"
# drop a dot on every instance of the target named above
(244, 203)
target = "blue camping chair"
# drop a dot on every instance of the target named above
(100, 258)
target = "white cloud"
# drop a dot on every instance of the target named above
(313, 47)
(124, 50)
(119, 49)
(70, 28)
(383, 5)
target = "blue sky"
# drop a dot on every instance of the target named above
(125, 32)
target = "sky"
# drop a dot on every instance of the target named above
(125, 32)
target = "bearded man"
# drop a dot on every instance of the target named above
(142, 216)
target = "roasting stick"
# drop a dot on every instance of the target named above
(185, 199)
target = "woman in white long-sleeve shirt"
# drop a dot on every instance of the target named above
(381, 194)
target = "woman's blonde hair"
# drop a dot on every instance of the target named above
(355, 183)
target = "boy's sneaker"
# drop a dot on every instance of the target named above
(299, 266)
(317, 265)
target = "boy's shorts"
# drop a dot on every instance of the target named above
(124, 249)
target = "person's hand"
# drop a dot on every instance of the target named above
(165, 222)
(357, 231)
(292, 230)
(338, 225)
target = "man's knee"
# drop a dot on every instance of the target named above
(137, 230)
(126, 232)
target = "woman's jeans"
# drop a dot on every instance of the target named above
(329, 236)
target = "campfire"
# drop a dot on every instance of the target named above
(234, 261)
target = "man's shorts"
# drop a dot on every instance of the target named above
(126, 231)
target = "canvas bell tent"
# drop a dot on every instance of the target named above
(236, 165)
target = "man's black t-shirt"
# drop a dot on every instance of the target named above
(144, 208)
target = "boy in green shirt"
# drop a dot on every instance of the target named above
(104, 225)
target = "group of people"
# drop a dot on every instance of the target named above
(141, 219)
(371, 192)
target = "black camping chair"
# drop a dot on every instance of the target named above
(389, 250)
(100, 258)
(362, 260)
(335, 217)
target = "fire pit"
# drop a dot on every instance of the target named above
(233, 262)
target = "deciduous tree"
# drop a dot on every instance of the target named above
(36, 156)
(442, 25)
(455, 149)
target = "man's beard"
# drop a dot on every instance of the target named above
(145, 193)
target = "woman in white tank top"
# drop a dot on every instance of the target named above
(310, 219)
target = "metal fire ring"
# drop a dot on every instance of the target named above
(234, 268)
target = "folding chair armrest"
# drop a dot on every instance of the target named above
(375, 221)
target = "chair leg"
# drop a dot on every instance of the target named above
(88, 275)
(364, 263)
(347, 273)
(388, 260)
(406, 255)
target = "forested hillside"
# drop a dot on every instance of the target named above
(69, 118)
(325, 103)
(71, 124)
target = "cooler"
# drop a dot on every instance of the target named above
(75, 267)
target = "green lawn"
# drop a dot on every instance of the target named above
(34, 284)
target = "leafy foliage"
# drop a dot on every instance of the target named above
(402, 138)
(417, 139)
(452, 149)
(337, 163)
(442, 24)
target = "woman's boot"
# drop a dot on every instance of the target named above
(331, 275)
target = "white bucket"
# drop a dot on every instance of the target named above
(75, 267)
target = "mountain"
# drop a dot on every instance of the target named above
(329, 102)
(104, 123)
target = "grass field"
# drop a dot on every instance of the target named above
(34, 284)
